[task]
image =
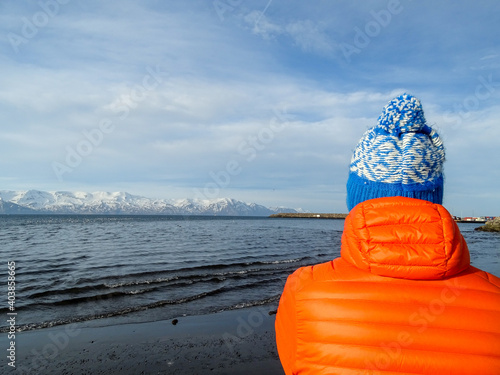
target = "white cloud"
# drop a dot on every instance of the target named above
(262, 26)
(308, 35)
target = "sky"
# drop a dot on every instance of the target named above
(260, 101)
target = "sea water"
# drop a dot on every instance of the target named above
(145, 268)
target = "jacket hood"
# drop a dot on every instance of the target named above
(404, 238)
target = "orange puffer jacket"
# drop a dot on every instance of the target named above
(401, 299)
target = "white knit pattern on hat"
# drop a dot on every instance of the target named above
(401, 149)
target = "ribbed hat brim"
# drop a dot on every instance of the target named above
(359, 190)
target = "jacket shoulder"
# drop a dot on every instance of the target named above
(310, 274)
(492, 279)
(479, 280)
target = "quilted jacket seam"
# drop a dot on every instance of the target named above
(446, 255)
(375, 323)
(466, 307)
(412, 349)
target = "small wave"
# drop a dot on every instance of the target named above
(261, 302)
(197, 270)
(74, 290)
(154, 277)
(97, 297)
(47, 324)
(285, 261)
(142, 282)
(61, 268)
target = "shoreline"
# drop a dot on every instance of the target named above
(231, 342)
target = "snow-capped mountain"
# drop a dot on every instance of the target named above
(12, 208)
(63, 202)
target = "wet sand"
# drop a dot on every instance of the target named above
(232, 342)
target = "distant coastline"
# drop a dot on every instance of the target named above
(297, 215)
(308, 215)
(470, 219)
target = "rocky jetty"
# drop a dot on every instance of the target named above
(296, 215)
(491, 226)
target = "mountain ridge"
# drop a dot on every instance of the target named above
(123, 203)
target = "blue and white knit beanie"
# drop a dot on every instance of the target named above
(400, 156)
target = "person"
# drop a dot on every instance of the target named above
(402, 298)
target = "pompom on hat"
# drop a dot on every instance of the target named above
(400, 156)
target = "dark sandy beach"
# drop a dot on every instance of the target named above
(232, 342)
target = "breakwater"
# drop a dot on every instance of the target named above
(309, 216)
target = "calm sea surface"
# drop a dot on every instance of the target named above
(143, 268)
